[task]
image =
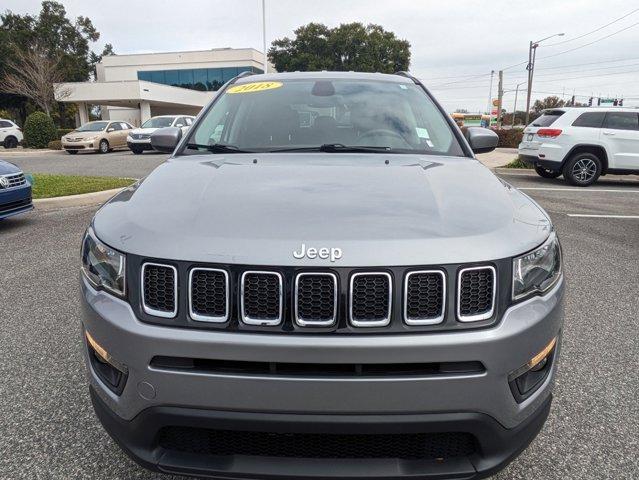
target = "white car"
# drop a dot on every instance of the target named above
(139, 139)
(10, 134)
(583, 143)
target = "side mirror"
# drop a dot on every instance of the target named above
(179, 125)
(111, 129)
(166, 139)
(481, 140)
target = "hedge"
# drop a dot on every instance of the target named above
(63, 131)
(39, 130)
(509, 138)
(55, 145)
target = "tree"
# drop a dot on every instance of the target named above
(548, 102)
(32, 74)
(350, 46)
(62, 39)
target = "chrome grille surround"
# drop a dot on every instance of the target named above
(484, 315)
(261, 321)
(370, 323)
(209, 318)
(15, 180)
(315, 323)
(427, 320)
(152, 311)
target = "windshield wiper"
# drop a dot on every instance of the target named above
(336, 147)
(217, 148)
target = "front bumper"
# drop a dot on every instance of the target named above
(139, 144)
(481, 403)
(15, 201)
(81, 145)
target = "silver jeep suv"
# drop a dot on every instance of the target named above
(322, 282)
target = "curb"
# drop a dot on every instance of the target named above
(82, 200)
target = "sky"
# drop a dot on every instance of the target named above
(454, 44)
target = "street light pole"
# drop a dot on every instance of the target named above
(490, 98)
(532, 52)
(264, 35)
(515, 103)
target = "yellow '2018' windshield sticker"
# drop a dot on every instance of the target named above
(254, 87)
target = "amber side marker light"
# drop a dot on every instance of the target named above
(529, 377)
(541, 356)
(109, 370)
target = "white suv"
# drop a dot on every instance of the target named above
(139, 139)
(583, 143)
(10, 134)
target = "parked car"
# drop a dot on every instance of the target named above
(322, 282)
(139, 139)
(15, 191)
(10, 134)
(100, 136)
(582, 143)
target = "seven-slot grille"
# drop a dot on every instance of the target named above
(261, 298)
(476, 293)
(371, 297)
(209, 295)
(424, 297)
(159, 287)
(315, 299)
(15, 180)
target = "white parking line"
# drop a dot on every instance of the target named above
(577, 189)
(587, 215)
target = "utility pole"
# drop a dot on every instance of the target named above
(264, 35)
(490, 98)
(500, 96)
(532, 52)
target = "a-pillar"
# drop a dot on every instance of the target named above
(145, 111)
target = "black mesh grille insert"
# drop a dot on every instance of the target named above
(262, 296)
(476, 292)
(316, 297)
(424, 295)
(208, 293)
(409, 446)
(159, 288)
(370, 297)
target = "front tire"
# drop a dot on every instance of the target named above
(104, 146)
(544, 172)
(582, 169)
(10, 142)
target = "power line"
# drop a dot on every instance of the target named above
(595, 30)
(591, 43)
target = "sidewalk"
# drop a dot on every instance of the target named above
(498, 157)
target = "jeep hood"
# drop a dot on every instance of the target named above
(257, 209)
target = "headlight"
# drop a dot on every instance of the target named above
(537, 271)
(103, 266)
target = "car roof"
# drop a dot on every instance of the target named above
(593, 109)
(323, 75)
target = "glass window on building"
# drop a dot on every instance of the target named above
(195, 78)
(158, 77)
(200, 77)
(172, 77)
(186, 79)
(215, 80)
(228, 73)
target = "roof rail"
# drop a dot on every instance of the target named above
(245, 73)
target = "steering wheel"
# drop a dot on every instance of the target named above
(382, 132)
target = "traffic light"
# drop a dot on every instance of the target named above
(615, 103)
(621, 102)
(590, 102)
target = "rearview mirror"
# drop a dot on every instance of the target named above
(481, 140)
(166, 139)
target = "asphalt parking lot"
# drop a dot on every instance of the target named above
(47, 423)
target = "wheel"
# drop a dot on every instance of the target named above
(10, 142)
(72, 152)
(136, 151)
(582, 170)
(104, 146)
(544, 172)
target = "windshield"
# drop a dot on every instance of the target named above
(158, 122)
(92, 127)
(309, 114)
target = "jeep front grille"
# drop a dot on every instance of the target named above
(476, 293)
(424, 297)
(159, 287)
(261, 298)
(315, 299)
(209, 295)
(371, 299)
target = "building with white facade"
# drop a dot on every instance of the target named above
(136, 87)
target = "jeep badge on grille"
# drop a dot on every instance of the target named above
(322, 252)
